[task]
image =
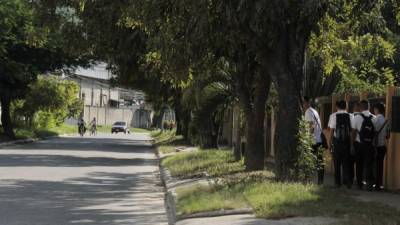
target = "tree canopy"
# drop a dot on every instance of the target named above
(198, 57)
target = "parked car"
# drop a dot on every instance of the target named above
(120, 127)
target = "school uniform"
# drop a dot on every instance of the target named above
(311, 115)
(341, 151)
(380, 143)
(364, 153)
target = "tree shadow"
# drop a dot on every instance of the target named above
(98, 198)
(114, 145)
(27, 160)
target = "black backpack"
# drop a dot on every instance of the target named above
(343, 129)
(367, 132)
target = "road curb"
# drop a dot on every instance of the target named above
(244, 211)
(16, 142)
(169, 197)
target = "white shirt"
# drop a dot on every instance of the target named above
(332, 119)
(311, 115)
(357, 122)
(379, 122)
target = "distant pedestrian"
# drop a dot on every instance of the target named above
(340, 137)
(382, 134)
(312, 117)
(363, 135)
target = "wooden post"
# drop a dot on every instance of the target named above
(334, 100)
(390, 174)
(347, 98)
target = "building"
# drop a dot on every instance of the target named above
(107, 103)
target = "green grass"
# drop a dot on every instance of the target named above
(201, 198)
(167, 141)
(139, 130)
(191, 164)
(275, 200)
(22, 133)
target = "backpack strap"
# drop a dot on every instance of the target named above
(383, 126)
(316, 120)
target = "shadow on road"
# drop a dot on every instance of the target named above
(106, 181)
(100, 198)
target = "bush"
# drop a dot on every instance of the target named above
(45, 120)
(48, 102)
(306, 162)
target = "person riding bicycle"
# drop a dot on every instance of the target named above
(81, 125)
(93, 126)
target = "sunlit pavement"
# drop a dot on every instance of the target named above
(107, 179)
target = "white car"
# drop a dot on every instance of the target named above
(120, 127)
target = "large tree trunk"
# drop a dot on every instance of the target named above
(255, 116)
(285, 64)
(287, 129)
(5, 116)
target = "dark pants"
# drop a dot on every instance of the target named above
(381, 152)
(320, 162)
(351, 163)
(365, 155)
(342, 162)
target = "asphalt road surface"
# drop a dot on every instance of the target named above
(102, 180)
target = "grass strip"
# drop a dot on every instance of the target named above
(191, 164)
(276, 200)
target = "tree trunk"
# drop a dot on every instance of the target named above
(289, 113)
(6, 117)
(236, 133)
(157, 119)
(178, 121)
(285, 64)
(255, 116)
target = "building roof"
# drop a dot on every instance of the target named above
(98, 71)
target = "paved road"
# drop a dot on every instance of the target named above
(107, 180)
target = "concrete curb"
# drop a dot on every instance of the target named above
(169, 198)
(246, 211)
(16, 142)
(170, 184)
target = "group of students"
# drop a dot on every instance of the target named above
(355, 139)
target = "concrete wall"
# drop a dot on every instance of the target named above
(135, 117)
(95, 93)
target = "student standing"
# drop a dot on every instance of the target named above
(382, 134)
(340, 137)
(363, 135)
(312, 117)
(356, 111)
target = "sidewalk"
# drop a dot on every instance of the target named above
(251, 220)
(382, 197)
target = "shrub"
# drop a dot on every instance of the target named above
(306, 162)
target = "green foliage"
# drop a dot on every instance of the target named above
(49, 102)
(33, 41)
(306, 165)
(45, 119)
(29, 132)
(365, 61)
